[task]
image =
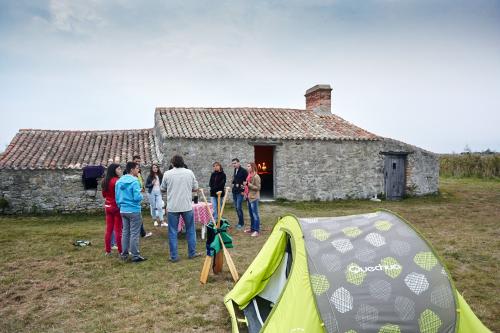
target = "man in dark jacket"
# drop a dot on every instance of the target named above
(240, 175)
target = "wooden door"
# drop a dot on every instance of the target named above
(394, 176)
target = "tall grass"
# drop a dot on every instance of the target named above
(470, 165)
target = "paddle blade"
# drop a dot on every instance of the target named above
(205, 270)
(219, 262)
(230, 264)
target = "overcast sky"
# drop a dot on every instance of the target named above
(424, 72)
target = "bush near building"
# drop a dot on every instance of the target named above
(479, 165)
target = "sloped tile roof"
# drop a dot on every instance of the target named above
(47, 149)
(256, 123)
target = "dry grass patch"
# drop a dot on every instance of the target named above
(48, 285)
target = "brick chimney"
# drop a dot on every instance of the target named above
(319, 99)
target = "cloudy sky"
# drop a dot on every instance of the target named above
(424, 72)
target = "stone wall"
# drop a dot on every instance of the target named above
(38, 191)
(199, 155)
(422, 176)
(313, 170)
(43, 191)
(303, 170)
(328, 170)
(424, 173)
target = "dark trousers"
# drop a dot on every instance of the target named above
(237, 201)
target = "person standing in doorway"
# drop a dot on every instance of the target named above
(217, 183)
(128, 198)
(252, 195)
(180, 183)
(239, 176)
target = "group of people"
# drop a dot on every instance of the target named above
(123, 194)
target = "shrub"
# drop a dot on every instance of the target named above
(470, 165)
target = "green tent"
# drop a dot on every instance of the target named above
(361, 273)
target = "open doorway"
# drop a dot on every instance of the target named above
(264, 158)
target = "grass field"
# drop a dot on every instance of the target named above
(48, 285)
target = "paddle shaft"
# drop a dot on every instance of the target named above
(232, 267)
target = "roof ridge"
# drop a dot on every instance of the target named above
(159, 108)
(82, 130)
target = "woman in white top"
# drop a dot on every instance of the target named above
(153, 183)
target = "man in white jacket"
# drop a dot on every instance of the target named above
(179, 183)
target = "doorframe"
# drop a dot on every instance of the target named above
(272, 144)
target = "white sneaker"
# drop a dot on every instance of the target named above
(149, 234)
(156, 223)
(164, 224)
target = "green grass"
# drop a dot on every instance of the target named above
(48, 285)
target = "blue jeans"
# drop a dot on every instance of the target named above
(155, 204)
(173, 223)
(130, 236)
(237, 201)
(214, 207)
(253, 210)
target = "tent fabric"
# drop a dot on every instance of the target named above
(277, 282)
(373, 271)
(469, 322)
(294, 316)
(255, 278)
(362, 273)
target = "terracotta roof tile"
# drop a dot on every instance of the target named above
(256, 123)
(47, 149)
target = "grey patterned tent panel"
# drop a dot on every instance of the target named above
(374, 273)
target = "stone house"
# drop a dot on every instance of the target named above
(303, 154)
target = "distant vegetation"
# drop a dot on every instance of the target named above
(484, 164)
